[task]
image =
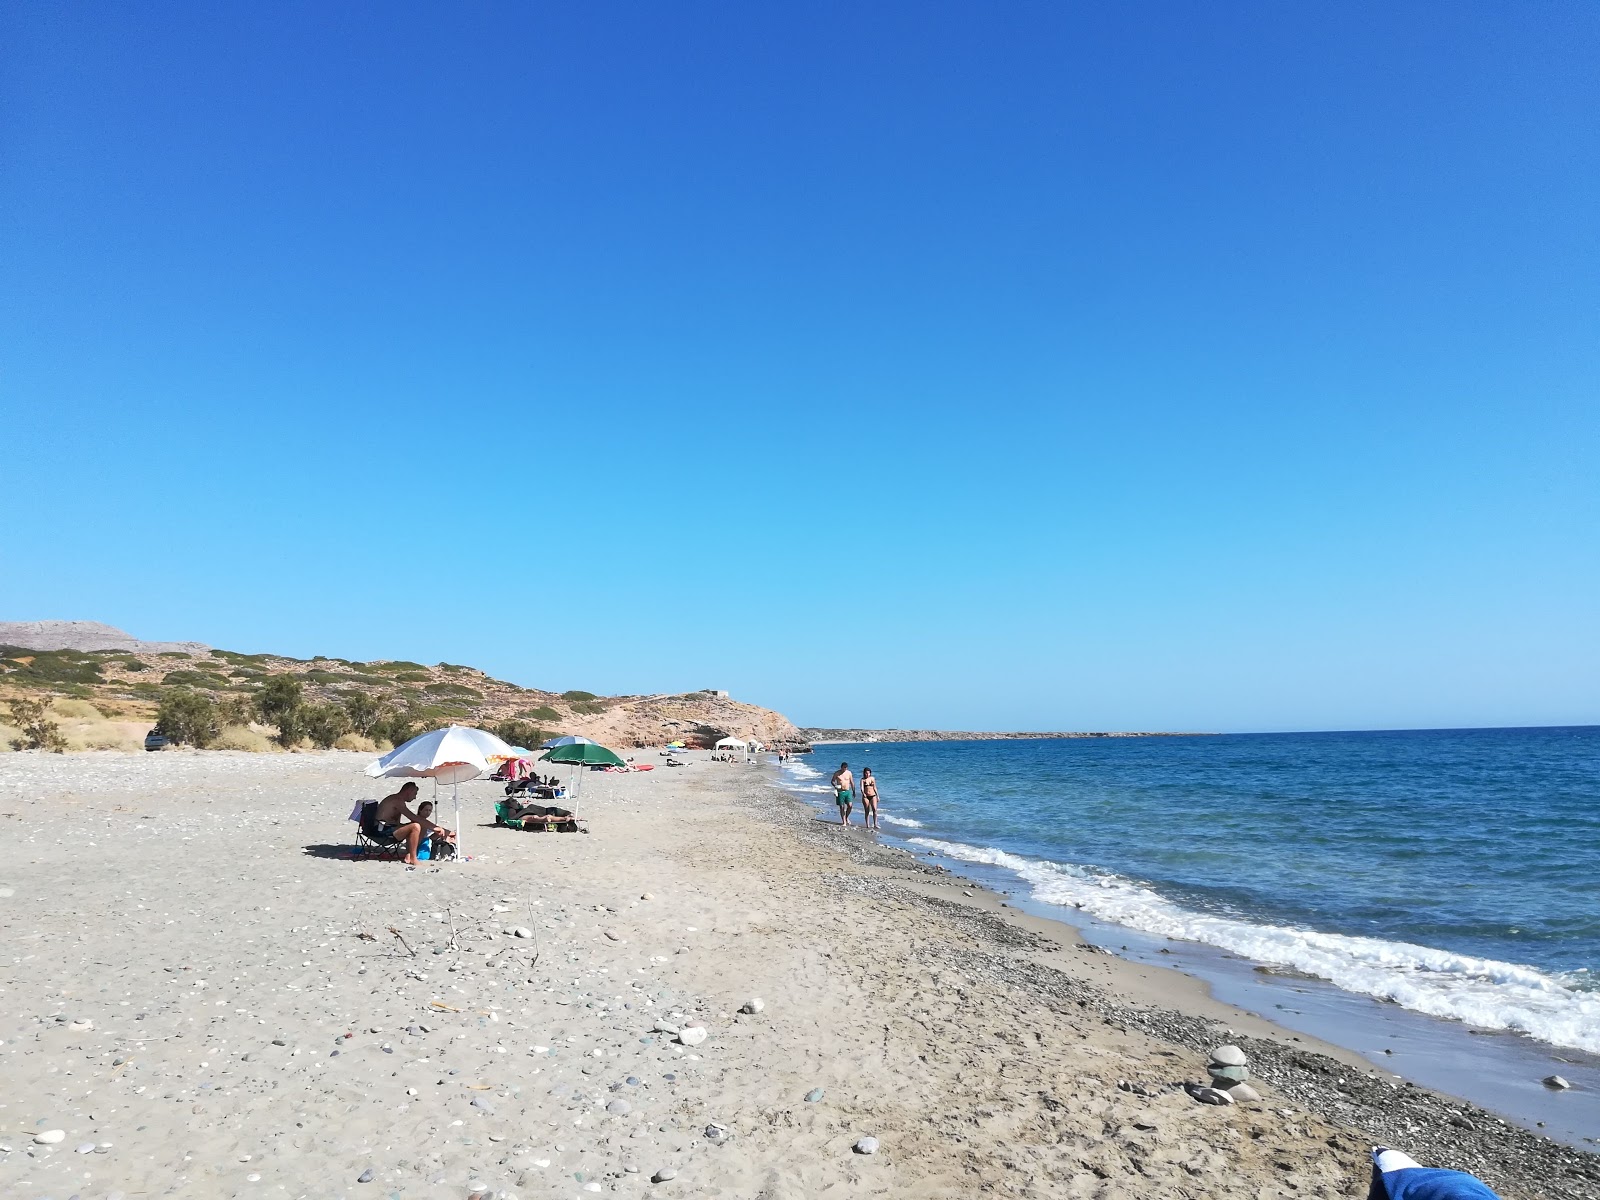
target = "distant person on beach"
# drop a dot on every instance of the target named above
(844, 791)
(396, 819)
(869, 798)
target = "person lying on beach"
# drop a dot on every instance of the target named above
(396, 821)
(844, 791)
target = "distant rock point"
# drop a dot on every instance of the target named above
(85, 635)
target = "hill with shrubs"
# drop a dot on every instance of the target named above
(65, 698)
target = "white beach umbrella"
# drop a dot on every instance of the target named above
(447, 755)
(570, 739)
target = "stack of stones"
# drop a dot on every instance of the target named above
(1229, 1069)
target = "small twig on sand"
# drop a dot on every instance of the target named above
(533, 927)
(454, 945)
(403, 942)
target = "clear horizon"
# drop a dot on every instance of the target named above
(920, 366)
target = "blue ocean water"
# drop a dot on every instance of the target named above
(1454, 872)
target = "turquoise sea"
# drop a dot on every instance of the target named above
(1451, 872)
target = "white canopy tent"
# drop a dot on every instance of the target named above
(731, 743)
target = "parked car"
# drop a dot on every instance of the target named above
(155, 740)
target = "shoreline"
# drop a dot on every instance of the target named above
(189, 1027)
(1334, 1080)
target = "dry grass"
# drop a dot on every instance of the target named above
(238, 737)
(354, 741)
(75, 710)
(105, 735)
(7, 732)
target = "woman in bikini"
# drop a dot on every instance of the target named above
(869, 798)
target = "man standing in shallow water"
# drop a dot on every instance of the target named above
(844, 791)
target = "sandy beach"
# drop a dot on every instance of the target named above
(204, 996)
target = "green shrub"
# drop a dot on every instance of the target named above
(453, 689)
(188, 718)
(398, 664)
(585, 708)
(543, 713)
(236, 710)
(579, 696)
(132, 664)
(325, 724)
(35, 730)
(394, 728)
(363, 712)
(412, 677)
(50, 667)
(519, 733)
(195, 679)
(281, 702)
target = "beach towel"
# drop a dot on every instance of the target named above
(1397, 1176)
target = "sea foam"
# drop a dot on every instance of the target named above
(1478, 991)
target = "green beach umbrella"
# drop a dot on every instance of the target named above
(588, 753)
(583, 754)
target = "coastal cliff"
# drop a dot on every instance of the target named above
(123, 677)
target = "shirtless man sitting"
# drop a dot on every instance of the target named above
(396, 819)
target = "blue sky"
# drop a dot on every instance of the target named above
(1033, 365)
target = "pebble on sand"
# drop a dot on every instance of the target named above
(1556, 1082)
(693, 1035)
(365, 1176)
(867, 1145)
(814, 1095)
(50, 1137)
(752, 1005)
(1211, 1095)
(521, 931)
(664, 1174)
(1243, 1093)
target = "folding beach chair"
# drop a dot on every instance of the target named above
(371, 841)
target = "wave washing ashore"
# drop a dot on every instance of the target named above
(1447, 872)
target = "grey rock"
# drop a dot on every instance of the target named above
(1461, 1122)
(866, 1145)
(50, 1137)
(1229, 1056)
(1243, 1093)
(693, 1035)
(86, 1148)
(365, 1176)
(619, 1108)
(1556, 1082)
(1211, 1095)
(814, 1095)
(479, 1102)
(664, 1174)
(752, 1006)
(717, 1134)
(1227, 1076)
(521, 931)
